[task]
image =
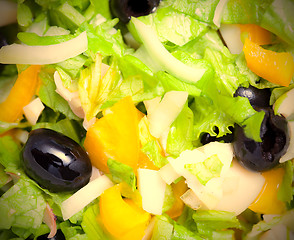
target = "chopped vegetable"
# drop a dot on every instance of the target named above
(122, 217)
(24, 54)
(267, 201)
(275, 67)
(20, 95)
(115, 136)
(255, 34)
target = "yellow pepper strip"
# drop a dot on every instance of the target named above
(20, 95)
(122, 217)
(115, 136)
(178, 189)
(275, 67)
(267, 201)
(256, 34)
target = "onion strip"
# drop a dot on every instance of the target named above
(39, 55)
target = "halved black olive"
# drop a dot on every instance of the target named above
(55, 161)
(262, 156)
(258, 98)
(125, 9)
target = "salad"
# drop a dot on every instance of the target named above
(151, 119)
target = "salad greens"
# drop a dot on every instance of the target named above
(145, 59)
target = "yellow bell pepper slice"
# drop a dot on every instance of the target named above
(256, 34)
(20, 95)
(115, 136)
(178, 189)
(267, 201)
(122, 217)
(275, 67)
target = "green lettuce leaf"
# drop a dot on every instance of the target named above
(162, 229)
(5, 126)
(10, 153)
(51, 98)
(33, 39)
(138, 82)
(180, 135)
(216, 224)
(72, 232)
(201, 10)
(24, 15)
(278, 18)
(171, 83)
(175, 27)
(206, 170)
(22, 206)
(4, 178)
(102, 7)
(182, 233)
(153, 153)
(239, 11)
(91, 225)
(64, 126)
(122, 173)
(66, 16)
(101, 41)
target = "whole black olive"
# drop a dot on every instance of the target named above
(259, 98)
(58, 236)
(55, 161)
(262, 156)
(125, 9)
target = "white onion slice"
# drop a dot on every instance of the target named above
(191, 200)
(8, 12)
(152, 190)
(33, 110)
(39, 55)
(84, 196)
(218, 12)
(163, 57)
(50, 220)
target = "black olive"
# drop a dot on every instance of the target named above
(262, 156)
(58, 236)
(207, 138)
(3, 42)
(55, 161)
(258, 98)
(125, 9)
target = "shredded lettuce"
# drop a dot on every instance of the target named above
(22, 206)
(122, 173)
(206, 170)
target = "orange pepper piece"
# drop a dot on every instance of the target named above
(256, 33)
(20, 95)
(275, 67)
(115, 136)
(178, 189)
(267, 201)
(122, 217)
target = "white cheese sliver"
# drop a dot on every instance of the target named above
(33, 110)
(84, 196)
(152, 190)
(231, 34)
